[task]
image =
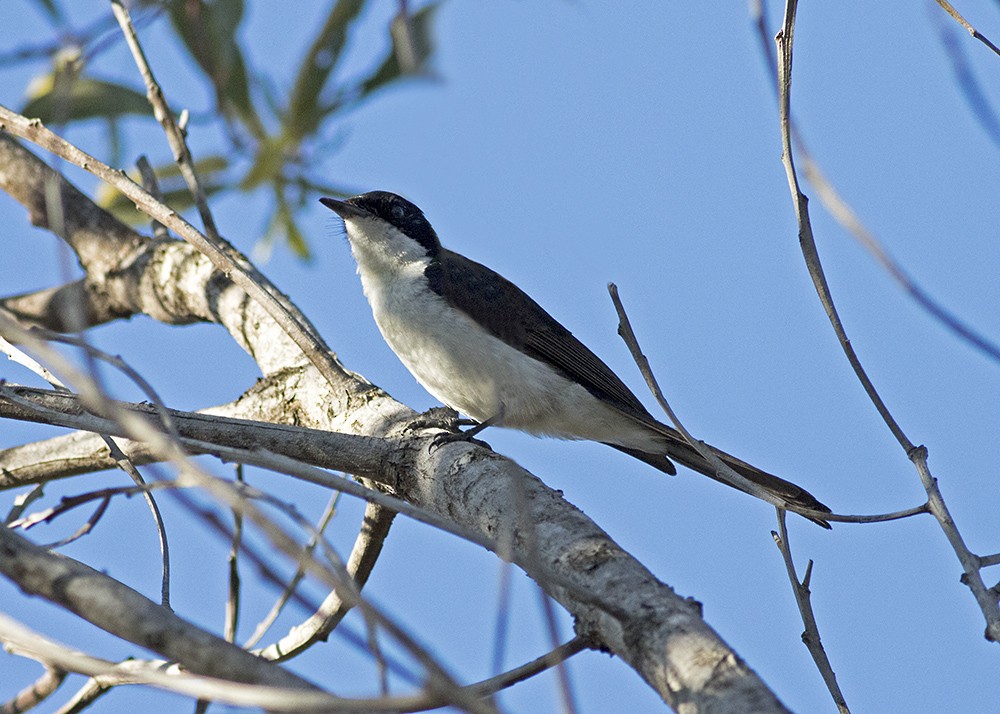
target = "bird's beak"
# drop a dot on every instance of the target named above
(344, 209)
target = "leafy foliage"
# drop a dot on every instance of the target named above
(272, 137)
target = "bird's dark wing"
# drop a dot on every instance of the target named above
(509, 314)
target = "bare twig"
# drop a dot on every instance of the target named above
(35, 693)
(975, 94)
(84, 529)
(530, 669)
(844, 214)
(68, 503)
(947, 7)
(562, 674)
(725, 473)
(150, 183)
(503, 616)
(986, 561)
(233, 601)
(810, 636)
(182, 155)
(22, 501)
(125, 464)
(502, 681)
(375, 526)
(92, 690)
(917, 454)
(265, 624)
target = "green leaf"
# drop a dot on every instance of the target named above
(412, 46)
(296, 241)
(304, 115)
(61, 98)
(282, 220)
(268, 165)
(209, 31)
(207, 168)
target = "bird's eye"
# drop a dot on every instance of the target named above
(398, 212)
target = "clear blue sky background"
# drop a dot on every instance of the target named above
(571, 144)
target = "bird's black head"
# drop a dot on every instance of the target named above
(400, 213)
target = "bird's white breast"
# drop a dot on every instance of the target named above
(469, 369)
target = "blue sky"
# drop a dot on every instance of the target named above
(571, 144)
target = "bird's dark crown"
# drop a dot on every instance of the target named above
(402, 214)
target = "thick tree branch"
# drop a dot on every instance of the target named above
(359, 455)
(169, 676)
(120, 610)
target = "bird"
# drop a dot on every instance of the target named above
(483, 347)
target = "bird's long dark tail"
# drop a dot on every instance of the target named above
(682, 452)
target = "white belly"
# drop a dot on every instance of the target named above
(483, 377)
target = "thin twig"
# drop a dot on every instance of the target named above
(92, 690)
(375, 524)
(562, 674)
(35, 693)
(986, 561)
(150, 183)
(182, 155)
(125, 464)
(530, 669)
(965, 76)
(68, 503)
(848, 218)
(265, 624)
(22, 501)
(503, 616)
(86, 528)
(972, 577)
(723, 471)
(806, 240)
(879, 517)
(810, 636)
(947, 7)
(507, 679)
(233, 601)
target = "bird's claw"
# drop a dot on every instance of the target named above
(468, 437)
(448, 419)
(436, 418)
